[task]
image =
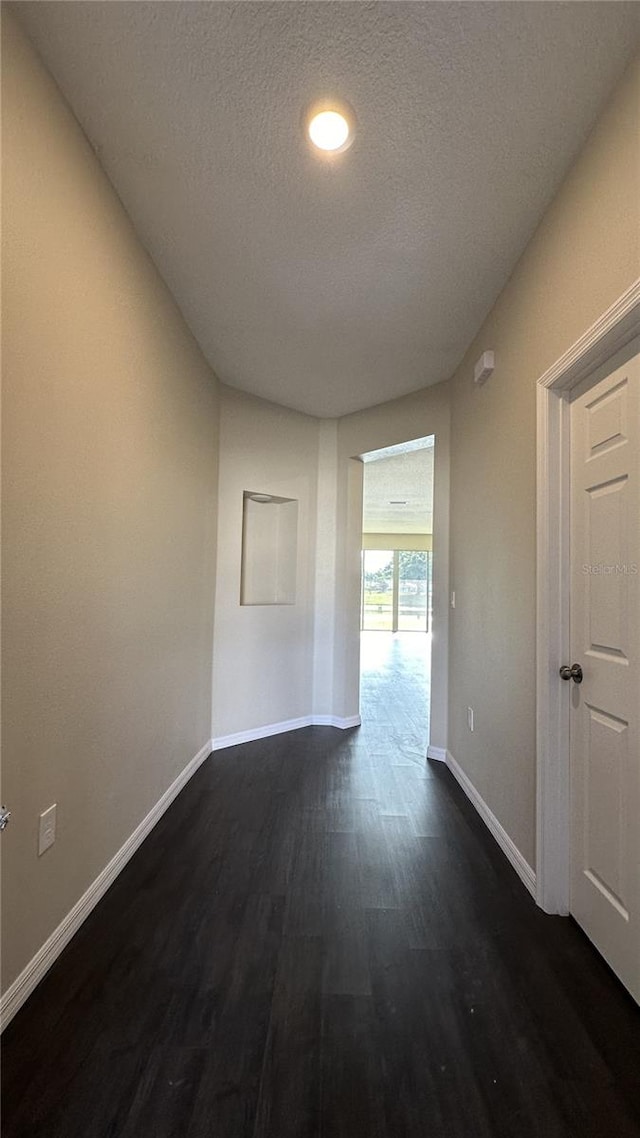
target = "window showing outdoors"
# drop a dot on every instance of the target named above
(377, 589)
(396, 590)
(413, 596)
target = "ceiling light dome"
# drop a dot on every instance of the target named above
(329, 130)
(330, 126)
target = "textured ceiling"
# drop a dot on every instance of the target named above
(398, 493)
(329, 286)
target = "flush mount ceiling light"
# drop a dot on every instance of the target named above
(261, 497)
(330, 127)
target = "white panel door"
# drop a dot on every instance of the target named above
(605, 641)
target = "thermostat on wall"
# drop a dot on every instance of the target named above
(484, 367)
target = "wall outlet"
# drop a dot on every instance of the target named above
(470, 718)
(47, 829)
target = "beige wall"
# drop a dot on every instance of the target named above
(110, 428)
(264, 659)
(583, 256)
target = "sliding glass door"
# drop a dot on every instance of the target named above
(377, 590)
(412, 591)
(396, 590)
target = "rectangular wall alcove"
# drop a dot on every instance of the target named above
(269, 549)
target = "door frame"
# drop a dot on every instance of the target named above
(612, 332)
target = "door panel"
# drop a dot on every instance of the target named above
(607, 540)
(607, 417)
(605, 640)
(605, 819)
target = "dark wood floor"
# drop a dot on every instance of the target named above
(320, 938)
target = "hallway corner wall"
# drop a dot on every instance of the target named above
(263, 667)
(325, 571)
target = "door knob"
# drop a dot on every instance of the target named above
(571, 673)
(4, 817)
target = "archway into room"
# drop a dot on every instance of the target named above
(382, 429)
(396, 592)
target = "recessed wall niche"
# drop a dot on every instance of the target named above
(269, 549)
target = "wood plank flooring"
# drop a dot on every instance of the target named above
(321, 939)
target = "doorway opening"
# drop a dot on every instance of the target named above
(396, 596)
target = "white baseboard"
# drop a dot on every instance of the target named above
(223, 741)
(24, 984)
(438, 753)
(336, 721)
(507, 845)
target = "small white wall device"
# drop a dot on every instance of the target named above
(484, 367)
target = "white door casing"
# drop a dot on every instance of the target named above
(604, 713)
(607, 344)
